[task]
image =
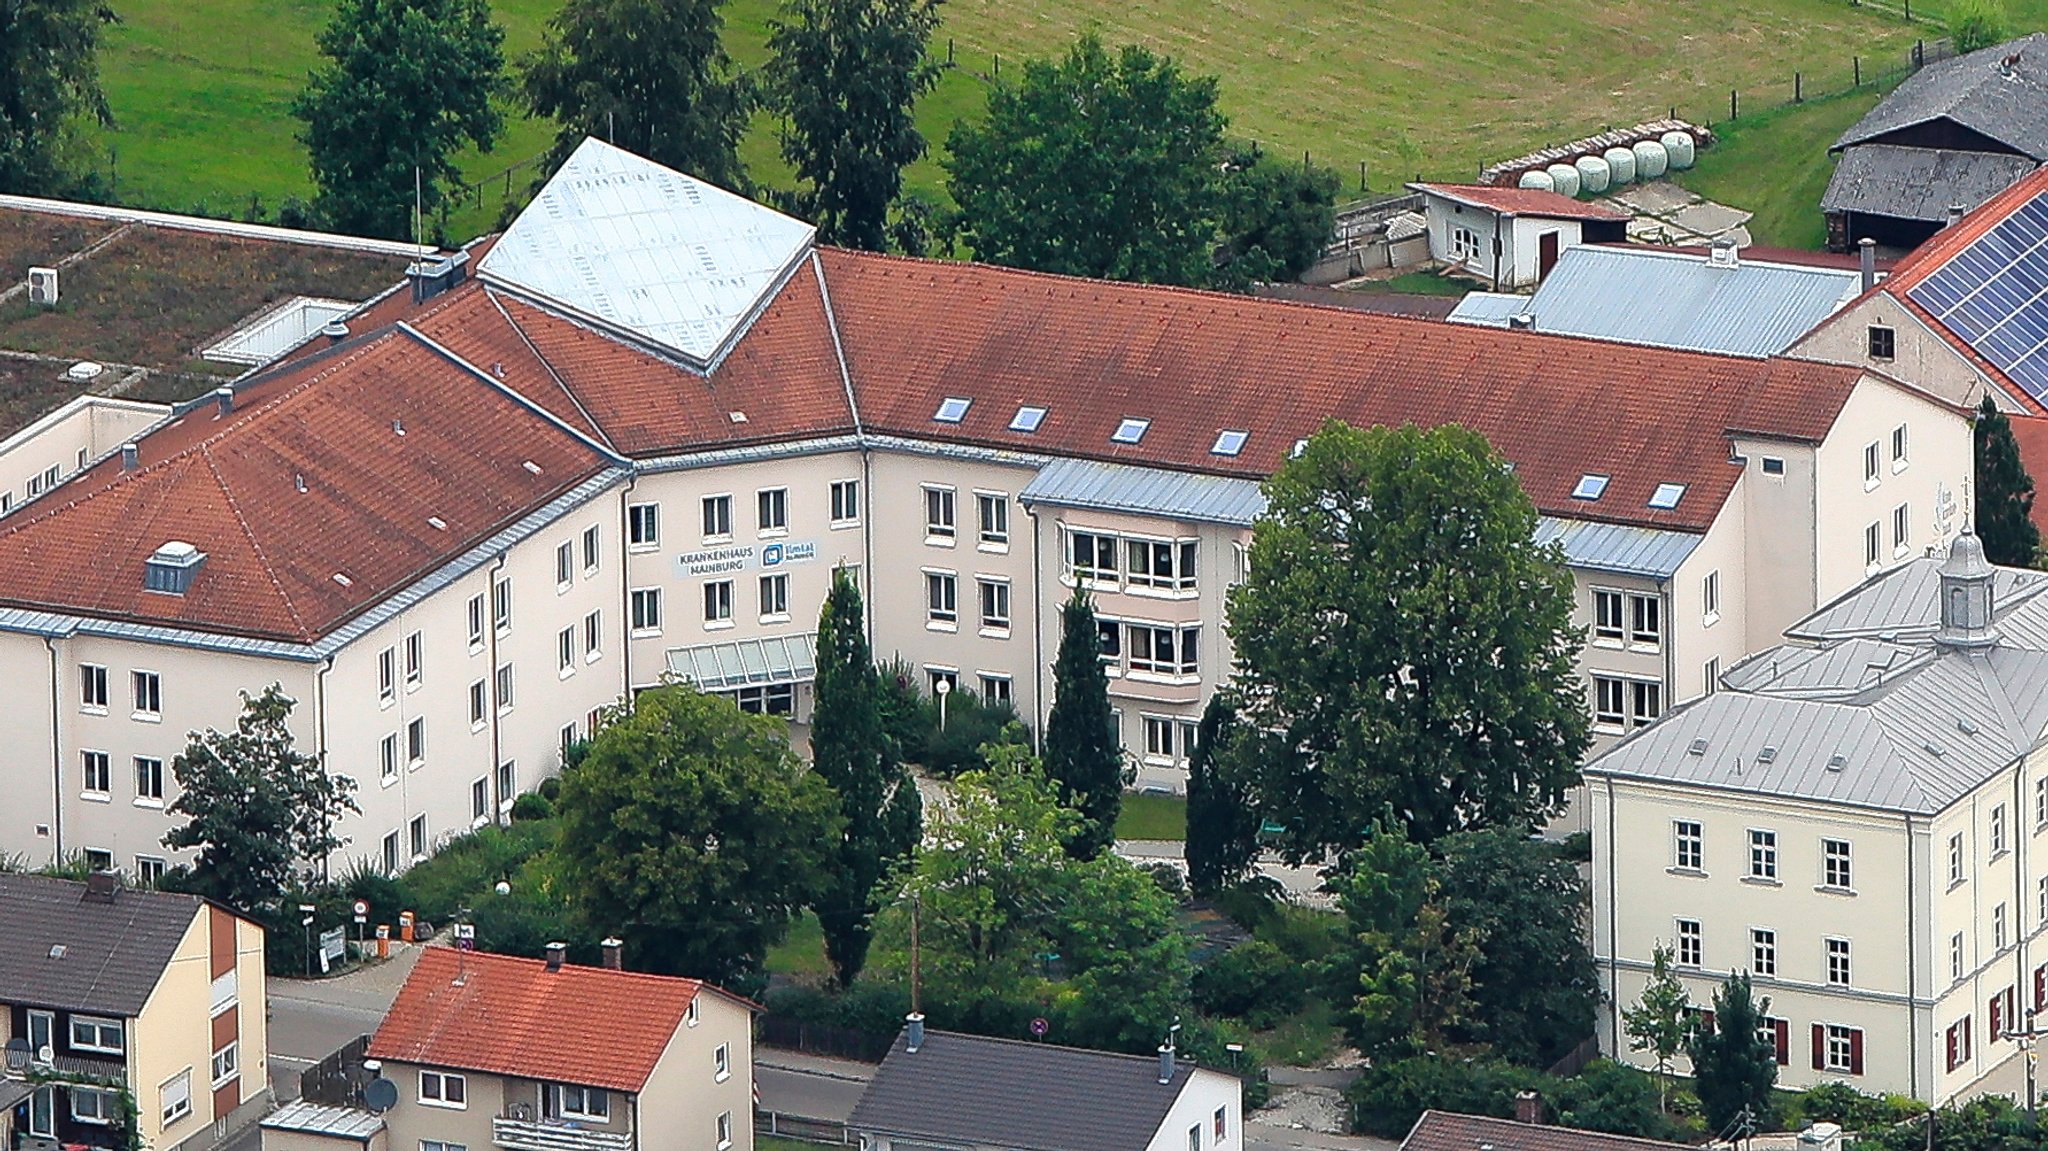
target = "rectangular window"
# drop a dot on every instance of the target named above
(1690, 950)
(995, 688)
(94, 1105)
(1109, 634)
(149, 870)
(1464, 245)
(940, 592)
(643, 526)
(774, 597)
(149, 695)
(479, 702)
(934, 676)
(721, 1062)
(415, 660)
(1873, 540)
(1955, 859)
(1763, 854)
(501, 605)
(1163, 650)
(2040, 804)
(1959, 1043)
(647, 610)
(1763, 951)
(99, 772)
(723, 1130)
(1646, 620)
(476, 621)
(565, 565)
(565, 650)
(718, 601)
(1646, 702)
(1158, 738)
(994, 517)
(590, 549)
(1901, 530)
(773, 699)
(1689, 845)
(387, 675)
(149, 779)
(845, 502)
(995, 604)
(504, 689)
(508, 781)
(1834, 864)
(1608, 621)
(1998, 831)
(1710, 597)
(1195, 1137)
(416, 742)
(1882, 342)
(91, 1033)
(174, 1098)
(391, 854)
(227, 1063)
(1899, 446)
(1998, 935)
(1610, 702)
(1221, 1127)
(1955, 956)
(1838, 962)
(938, 513)
(92, 688)
(419, 837)
(1710, 676)
(1165, 564)
(387, 756)
(1869, 464)
(1844, 1049)
(1091, 556)
(443, 1090)
(717, 517)
(480, 800)
(564, 1101)
(771, 511)
(593, 636)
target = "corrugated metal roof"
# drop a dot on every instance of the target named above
(647, 250)
(318, 1119)
(1639, 295)
(1619, 548)
(1149, 491)
(1489, 308)
(1918, 183)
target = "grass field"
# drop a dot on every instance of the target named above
(202, 88)
(1152, 817)
(1777, 165)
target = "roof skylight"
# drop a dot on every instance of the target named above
(1229, 443)
(951, 410)
(1667, 495)
(1130, 431)
(1027, 419)
(1591, 487)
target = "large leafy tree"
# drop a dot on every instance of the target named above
(49, 84)
(1277, 217)
(1734, 1067)
(1403, 643)
(850, 750)
(2005, 492)
(1223, 827)
(693, 831)
(260, 812)
(846, 76)
(1082, 754)
(651, 76)
(1097, 164)
(406, 85)
(1661, 1020)
(1534, 982)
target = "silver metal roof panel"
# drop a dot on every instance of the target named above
(1146, 491)
(317, 1119)
(1652, 552)
(647, 250)
(1490, 309)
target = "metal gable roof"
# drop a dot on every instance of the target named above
(1146, 491)
(1918, 183)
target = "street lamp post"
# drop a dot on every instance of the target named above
(944, 688)
(2026, 1039)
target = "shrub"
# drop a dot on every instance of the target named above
(1388, 1098)
(1168, 879)
(531, 806)
(1975, 24)
(550, 788)
(466, 868)
(1612, 1098)
(970, 723)
(1841, 1103)
(1254, 981)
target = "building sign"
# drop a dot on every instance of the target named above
(745, 557)
(1944, 510)
(333, 945)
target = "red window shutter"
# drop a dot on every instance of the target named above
(1707, 1021)
(1966, 1039)
(1856, 1051)
(1820, 1047)
(1781, 1034)
(1992, 1031)
(1954, 1045)
(2041, 987)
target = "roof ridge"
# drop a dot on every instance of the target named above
(248, 533)
(533, 349)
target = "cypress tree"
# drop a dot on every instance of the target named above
(1733, 1067)
(1082, 755)
(852, 751)
(2005, 493)
(1223, 828)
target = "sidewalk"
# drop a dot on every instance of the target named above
(782, 1059)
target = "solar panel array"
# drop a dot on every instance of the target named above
(1994, 296)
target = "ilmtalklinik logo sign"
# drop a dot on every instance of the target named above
(745, 557)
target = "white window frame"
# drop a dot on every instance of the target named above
(1610, 714)
(992, 520)
(1763, 951)
(643, 527)
(1645, 621)
(1183, 666)
(1093, 573)
(478, 615)
(593, 636)
(1836, 953)
(593, 548)
(717, 517)
(1997, 833)
(92, 688)
(775, 501)
(1838, 1059)
(148, 770)
(96, 774)
(1464, 243)
(479, 704)
(773, 590)
(106, 1104)
(559, 1095)
(1832, 861)
(226, 1064)
(1873, 544)
(1688, 846)
(1763, 854)
(1870, 465)
(721, 1063)
(148, 691)
(644, 610)
(1902, 531)
(437, 1096)
(1956, 873)
(565, 652)
(1710, 599)
(1610, 617)
(941, 515)
(717, 604)
(507, 688)
(98, 1026)
(501, 605)
(415, 661)
(1902, 448)
(941, 600)
(844, 505)
(565, 566)
(1159, 732)
(1691, 950)
(992, 605)
(174, 1097)
(724, 1130)
(416, 837)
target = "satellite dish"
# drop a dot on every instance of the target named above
(380, 1094)
(17, 1053)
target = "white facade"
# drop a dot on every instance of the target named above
(1499, 247)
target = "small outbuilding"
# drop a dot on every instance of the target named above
(1511, 237)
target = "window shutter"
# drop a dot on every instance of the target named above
(1820, 1047)
(1781, 1033)
(1992, 1030)
(1707, 1021)
(1856, 1051)
(2041, 987)
(1953, 1041)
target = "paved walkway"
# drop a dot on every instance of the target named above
(311, 1019)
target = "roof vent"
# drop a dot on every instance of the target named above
(82, 371)
(1300, 446)
(57, 950)
(1523, 321)
(1837, 761)
(557, 952)
(1767, 755)
(1966, 725)
(437, 523)
(1027, 419)
(342, 579)
(102, 887)
(398, 427)
(224, 398)
(172, 567)
(1934, 749)
(1699, 747)
(1722, 253)
(1667, 496)
(530, 466)
(335, 331)
(1130, 431)
(42, 287)
(131, 457)
(1229, 443)
(952, 410)
(299, 482)
(1590, 487)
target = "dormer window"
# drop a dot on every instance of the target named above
(1590, 487)
(171, 569)
(1229, 443)
(1027, 419)
(1130, 431)
(952, 410)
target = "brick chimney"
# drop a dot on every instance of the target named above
(614, 952)
(1529, 1108)
(557, 952)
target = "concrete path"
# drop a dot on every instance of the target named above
(310, 1019)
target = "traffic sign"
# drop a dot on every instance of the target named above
(1040, 1026)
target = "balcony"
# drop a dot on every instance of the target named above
(555, 1135)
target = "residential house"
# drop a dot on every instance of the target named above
(1721, 300)
(543, 1055)
(1855, 820)
(1951, 137)
(107, 990)
(954, 1092)
(456, 527)
(1450, 1131)
(1511, 237)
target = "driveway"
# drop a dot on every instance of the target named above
(310, 1019)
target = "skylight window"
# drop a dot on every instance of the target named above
(1229, 443)
(1590, 487)
(952, 410)
(1130, 431)
(1667, 495)
(1027, 419)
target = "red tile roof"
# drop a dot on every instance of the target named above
(588, 1026)
(1523, 201)
(1196, 363)
(2031, 434)
(228, 484)
(1448, 1131)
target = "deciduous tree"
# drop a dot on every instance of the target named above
(1661, 1020)
(1277, 217)
(651, 76)
(1082, 752)
(846, 76)
(693, 831)
(2005, 493)
(49, 86)
(1100, 163)
(1733, 1066)
(1403, 643)
(1534, 984)
(260, 812)
(406, 85)
(879, 808)
(1414, 982)
(1223, 827)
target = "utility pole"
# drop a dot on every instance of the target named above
(2026, 1038)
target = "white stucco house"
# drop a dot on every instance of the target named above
(1511, 236)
